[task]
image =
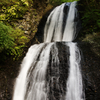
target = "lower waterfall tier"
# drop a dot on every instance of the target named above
(50, 71)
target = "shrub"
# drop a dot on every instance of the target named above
(12, 41)
(20, 43)
(91, 15)
(14, 9)
(6, 40)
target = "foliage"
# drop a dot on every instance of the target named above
(57, 2)
(12, 41)
(12, 2)
(13, 9)
(6, 41)
(20, 41)
(91, 15)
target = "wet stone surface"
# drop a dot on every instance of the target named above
(91, 72)
(8, 73)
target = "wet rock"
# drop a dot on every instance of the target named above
(26, 32)
(21, 27)
(91, 71)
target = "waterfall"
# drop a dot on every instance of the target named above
(58, 28)
(74, 82)
(52, 70)
(69, 31)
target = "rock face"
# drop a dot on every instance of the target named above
(40, 31)
(57, 73)
(91, 72)
(8, 73)
(30, 21)
(90, 65)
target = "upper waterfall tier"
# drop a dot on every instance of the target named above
(62, 23)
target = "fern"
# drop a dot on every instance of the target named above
(12, 41)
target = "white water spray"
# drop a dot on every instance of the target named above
(69, 32)
(38, 77)
(55, 27)
(37, 90)
(53, 30)
(74, 82)
(20, 85)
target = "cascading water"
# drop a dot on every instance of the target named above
(60, 25)
(74, 82)
(51, 71)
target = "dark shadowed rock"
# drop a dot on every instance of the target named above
(91, 72)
